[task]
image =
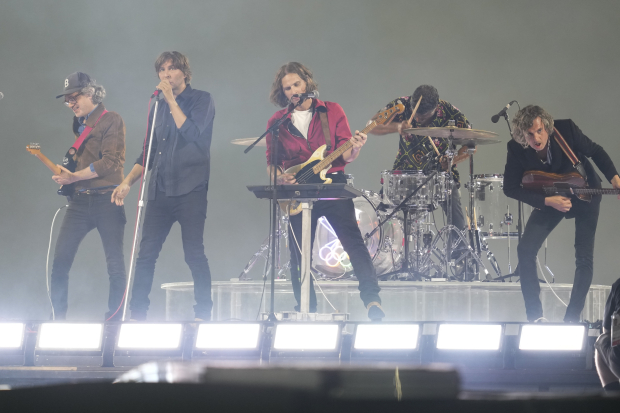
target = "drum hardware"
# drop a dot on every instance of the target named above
(406, 210)
(263, 252)
(469, 138)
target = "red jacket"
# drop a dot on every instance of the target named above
(294, 149)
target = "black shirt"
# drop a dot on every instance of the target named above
(180, 159)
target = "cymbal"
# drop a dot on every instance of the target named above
(474, 141)
(248, 142)
(456, 133)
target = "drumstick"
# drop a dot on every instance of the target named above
(467, 216)
(415, 109)
(434, 147)
(417, 105)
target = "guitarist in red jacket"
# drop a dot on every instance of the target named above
(537, 146)
(299, 136)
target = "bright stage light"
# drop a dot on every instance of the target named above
(469, 336)
(135, 336)
(11, 335)
(70, 336)
(228, 336)
(552, 337)
(386, 337)
(306, 337)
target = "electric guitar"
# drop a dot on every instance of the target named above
(315, 168)
(568, 184)
(65, 190)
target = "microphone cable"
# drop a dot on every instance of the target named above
(47, 263)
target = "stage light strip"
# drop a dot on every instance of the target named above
(386, 337)
(228, 336)
(469, 336)
(70, 336)
(11, 335)
(552, 337)
(134, 336)
(306, 337)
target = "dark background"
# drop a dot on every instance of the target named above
(562, 55)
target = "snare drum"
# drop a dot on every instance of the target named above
(385, 246)
(496, 214)
(397, 185)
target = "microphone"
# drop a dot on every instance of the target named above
(156, 93)
(502, 112)
(308, 95)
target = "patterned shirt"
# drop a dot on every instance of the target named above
(413, 148)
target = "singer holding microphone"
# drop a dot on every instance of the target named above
(177, 190)
(299, 136)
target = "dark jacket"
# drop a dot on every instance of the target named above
(185, 151)
(104, 148)
(520, 159)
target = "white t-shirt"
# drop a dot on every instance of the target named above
(301, 119)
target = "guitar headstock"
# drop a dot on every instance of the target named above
(33, 148)
(385, 116)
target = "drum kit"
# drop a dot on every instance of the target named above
(398, 223)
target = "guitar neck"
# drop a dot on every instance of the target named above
(596, 191)
(335, 154)
(51, 165)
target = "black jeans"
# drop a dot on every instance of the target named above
(538, 227)
(190, 210)
(85, 213)
(341, 216)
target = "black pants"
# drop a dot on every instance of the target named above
(341, 216)
(190, 211)
(85, 213)
(538, 227)
(458, 217)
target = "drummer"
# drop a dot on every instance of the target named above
(417, 152)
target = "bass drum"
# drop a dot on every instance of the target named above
(385, 246)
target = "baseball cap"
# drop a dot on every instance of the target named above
(74, 83)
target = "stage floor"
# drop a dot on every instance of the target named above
(401, 300)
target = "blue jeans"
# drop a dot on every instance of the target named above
(85, 213)
(190, 210)
(538, 227)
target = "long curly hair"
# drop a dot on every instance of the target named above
(524, 119)
(277, 96)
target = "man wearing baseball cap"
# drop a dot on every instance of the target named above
(94, 167)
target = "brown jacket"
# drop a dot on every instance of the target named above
(104, 148)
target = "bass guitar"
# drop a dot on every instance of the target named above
(568, 184)
(65, 190)
(315, 168)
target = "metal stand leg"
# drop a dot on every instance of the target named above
(306, 251)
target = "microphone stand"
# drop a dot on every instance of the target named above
(502, 278)
(275, 133)
(140, 208)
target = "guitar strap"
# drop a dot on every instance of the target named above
(68, 161)
(325, 125)
(571, 155)
(86, 132)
